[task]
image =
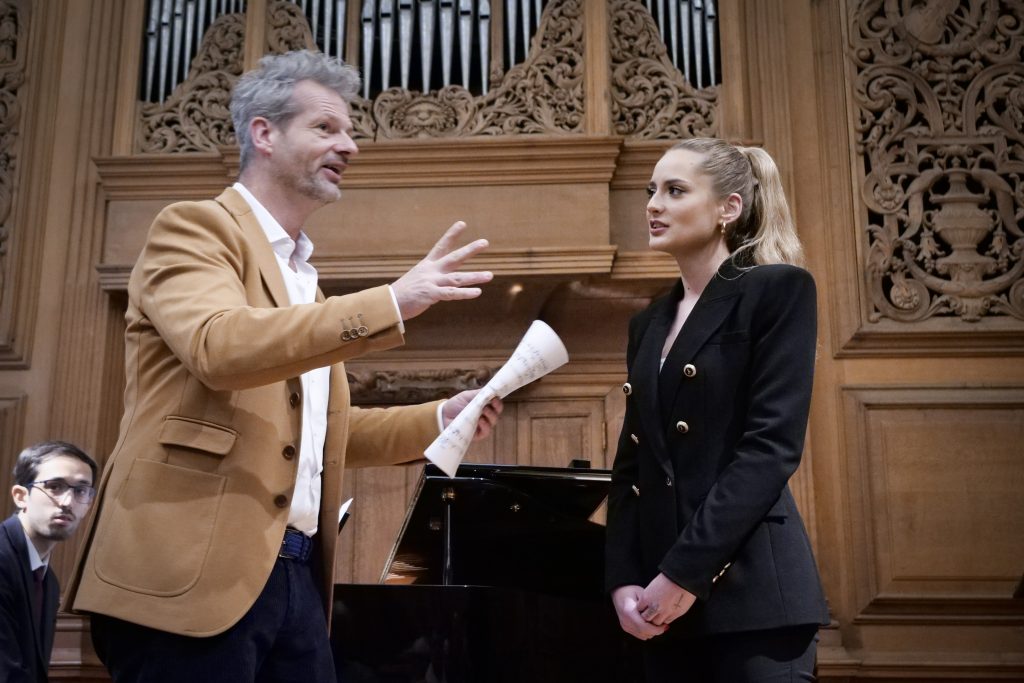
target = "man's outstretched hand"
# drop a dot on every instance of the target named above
(435, 278)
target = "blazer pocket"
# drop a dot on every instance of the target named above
(160, 528)
(199, 435)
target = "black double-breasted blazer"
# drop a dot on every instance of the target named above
(24, 649)
(699, 486)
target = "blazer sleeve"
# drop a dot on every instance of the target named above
(390, 436)
(191, 284)
(622, 538)
(783, 338)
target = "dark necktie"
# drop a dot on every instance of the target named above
(37, 605)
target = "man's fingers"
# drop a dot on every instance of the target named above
(450, 261)
(476, 277)
(444, 245)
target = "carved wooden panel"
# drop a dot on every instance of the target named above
(12, 416)
(195, 118)
(935, 481)
(650, 97)
(14, 24)
(938, 134)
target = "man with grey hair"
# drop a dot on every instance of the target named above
(52, 493)
(212, 553)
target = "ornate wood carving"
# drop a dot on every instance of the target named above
(412, 386)
(288, 28)
(938, 94)
(544, 94)
(650, 97)
(195, 118)
(13, 30)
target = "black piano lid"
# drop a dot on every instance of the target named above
(511, 525)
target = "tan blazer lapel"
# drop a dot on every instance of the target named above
(266, 260)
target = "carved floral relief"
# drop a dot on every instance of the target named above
(544, 94)
(939, 134)
(12, 76)
(412, 386)
(650, 97)
(196, 118)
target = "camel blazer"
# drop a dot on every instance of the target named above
(194, 499)
(708, 443)
(24, 650)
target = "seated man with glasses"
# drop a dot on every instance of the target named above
(53, 489)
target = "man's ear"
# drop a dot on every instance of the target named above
(262, 133)
(732, 207)
(20, 495)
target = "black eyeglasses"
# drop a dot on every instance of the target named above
(56, 488)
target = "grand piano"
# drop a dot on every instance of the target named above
(496, 577)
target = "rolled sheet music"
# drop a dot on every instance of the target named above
(539, 352)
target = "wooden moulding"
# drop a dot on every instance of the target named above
(521, 160)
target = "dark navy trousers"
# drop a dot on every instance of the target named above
(282, 638)
(781, 655)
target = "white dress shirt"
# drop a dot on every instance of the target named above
(301, 286)
(34, 560)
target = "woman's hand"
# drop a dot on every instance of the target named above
(625, 599)
(664, 601)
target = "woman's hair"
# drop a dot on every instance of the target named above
(267, 90)
(764, 232)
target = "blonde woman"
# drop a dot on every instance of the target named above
(708, 561)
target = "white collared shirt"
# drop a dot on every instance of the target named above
(301, 284)
(34, 561)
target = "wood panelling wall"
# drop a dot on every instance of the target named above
(914, 469)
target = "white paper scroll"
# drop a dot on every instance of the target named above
(539, 352)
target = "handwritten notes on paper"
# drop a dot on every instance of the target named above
(539, 352)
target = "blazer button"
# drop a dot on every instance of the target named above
(294, 399)
(689, 370)
(668, 481)
(288, 452)
(682, 427)
(627, 388)
(635, 438)
(281, 500)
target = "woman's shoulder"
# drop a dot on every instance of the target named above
(778, 275)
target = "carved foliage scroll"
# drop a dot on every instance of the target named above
(287, 29)
(402, 387)
(544, 94)
(650, 97)
(13, 32)
(196, 118)
(939, 131)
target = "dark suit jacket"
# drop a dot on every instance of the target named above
(24, 651)
(707, 446)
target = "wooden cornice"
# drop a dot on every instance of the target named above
(520, 160)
